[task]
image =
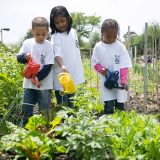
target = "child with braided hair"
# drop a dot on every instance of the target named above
(111, 54)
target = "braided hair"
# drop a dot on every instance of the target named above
(110, 23)
(59, 11)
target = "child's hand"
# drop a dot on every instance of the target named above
(123, 85)
(104, 71)
(36, 82)
(28, 56)
(64, 68)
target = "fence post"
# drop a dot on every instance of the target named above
(129, 51)
(156, 65)
(90, 56)
(145, 66)
(135, 54)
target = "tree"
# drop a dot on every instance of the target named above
(95, 37)
(28, 35)
(84, 25)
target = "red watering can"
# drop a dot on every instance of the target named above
(30, 71)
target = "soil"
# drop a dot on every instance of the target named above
(136, 102)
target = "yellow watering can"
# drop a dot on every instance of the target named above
(67, 83)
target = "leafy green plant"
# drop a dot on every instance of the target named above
(11, 69)
(35, 121)
(88, 98)
(31, 144)
(121, 135)
(10, 87)
(83, 135)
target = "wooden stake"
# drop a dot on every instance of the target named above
(145, 66)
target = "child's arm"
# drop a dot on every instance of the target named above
(59, 60)
(123, 76)
(100, 69)
(23, 58)
(96, 63)
(44, 72)
(41, 75)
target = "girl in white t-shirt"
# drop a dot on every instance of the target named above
(110, 54)
(67, 53)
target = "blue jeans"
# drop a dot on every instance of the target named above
(109, 106)
(30, 98)
(64, 99)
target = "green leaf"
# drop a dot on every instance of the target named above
(62, 149)
(56, 121)
(34, 121)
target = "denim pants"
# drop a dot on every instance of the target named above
(64, 99)
(109, 106)
(30, 98)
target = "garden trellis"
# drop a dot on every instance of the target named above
(147, 66)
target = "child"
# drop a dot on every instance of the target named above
(110, 54)
(67, 52)
(42, 53)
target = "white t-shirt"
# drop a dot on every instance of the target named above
(113, 57)
(42, 54)
(66, 46)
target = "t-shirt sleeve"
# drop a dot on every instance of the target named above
(125, 58)
(22, 52)
(57, 45)
(24, 48)
(95, 57)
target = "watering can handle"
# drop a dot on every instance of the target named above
(63, 73)
(28, 57)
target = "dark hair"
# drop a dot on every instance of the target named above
(109, 23)
(40, 22)
(59, 11)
